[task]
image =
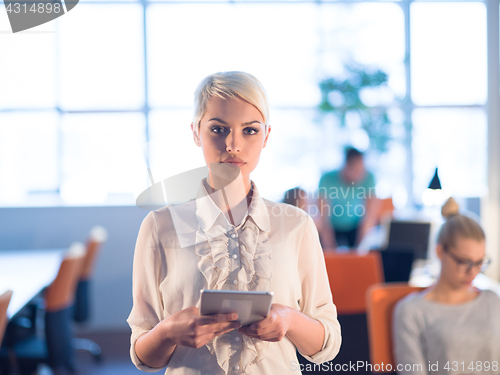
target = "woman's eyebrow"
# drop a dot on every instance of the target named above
(219, 120)
(251, 122)
(225, 123)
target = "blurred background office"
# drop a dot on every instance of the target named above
(96, 106)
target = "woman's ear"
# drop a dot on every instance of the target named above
(439, 251)
(196, 137)
(268, 130)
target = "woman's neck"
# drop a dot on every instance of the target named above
(446, 293)
(232, 198)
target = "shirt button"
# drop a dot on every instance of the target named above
(233, 235)
(235, 282)
(235, 256)
(237, 338)
(236, 368)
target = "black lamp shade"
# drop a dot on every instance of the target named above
(435, 183)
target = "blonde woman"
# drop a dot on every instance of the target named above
(451, 327)
(238, 241)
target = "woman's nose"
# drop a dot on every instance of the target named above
(233, 143)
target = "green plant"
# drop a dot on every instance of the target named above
(343, 97)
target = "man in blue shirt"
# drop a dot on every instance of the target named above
(346, 201)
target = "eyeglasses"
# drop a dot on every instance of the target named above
(467, 265)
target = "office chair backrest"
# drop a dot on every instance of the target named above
(97, 237)
(61, 292)
(381, 299)
(386, 210)
(4, 303)
(350, 276)
(81, 310)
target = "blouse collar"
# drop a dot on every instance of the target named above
(207, 211)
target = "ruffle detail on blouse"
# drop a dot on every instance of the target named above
(256, 260)
(214, 263)
(255, 275)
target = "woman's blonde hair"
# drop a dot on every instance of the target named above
(230, 85)
(457, 225)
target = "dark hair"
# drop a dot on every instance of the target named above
(292, 196)
(351, 153)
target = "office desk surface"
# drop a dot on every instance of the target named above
(26, 273)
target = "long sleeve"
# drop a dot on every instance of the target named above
(149, 270)
(317, 301)
(407, 339)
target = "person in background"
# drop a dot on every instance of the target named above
(296, 197)
(347, 202)
(451, 327)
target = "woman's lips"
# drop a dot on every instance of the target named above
(239, 164)
(234, 161)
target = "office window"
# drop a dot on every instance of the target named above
(102, 155)
(448, 53)
(101, 58)
(449, 88)
(90, 101)
(29, 157)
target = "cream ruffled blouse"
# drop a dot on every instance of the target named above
(182, 249)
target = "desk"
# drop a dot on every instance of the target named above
(26, 273)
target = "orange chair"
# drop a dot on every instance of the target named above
(97, 237)
(81, 311)
(385, 210)
(56, 350)
(380, 300)
(350, 277)
(4, 303)
(61, 292)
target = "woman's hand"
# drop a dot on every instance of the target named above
(272, 328)
(188, 328)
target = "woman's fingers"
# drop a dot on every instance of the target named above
(221, 332)
(273, 335)
(215, 323)
(216, 327)
(265, 323)
(271, 328)
(201, 339)
(257, 330)
(216, 318)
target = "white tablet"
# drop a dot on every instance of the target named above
(250, 306)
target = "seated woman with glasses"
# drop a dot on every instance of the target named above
(451, 327)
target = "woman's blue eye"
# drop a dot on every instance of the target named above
(218, 129)
(251, 131)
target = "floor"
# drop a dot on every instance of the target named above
(115, 355)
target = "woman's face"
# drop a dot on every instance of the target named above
(455, 261)
(232, 131)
